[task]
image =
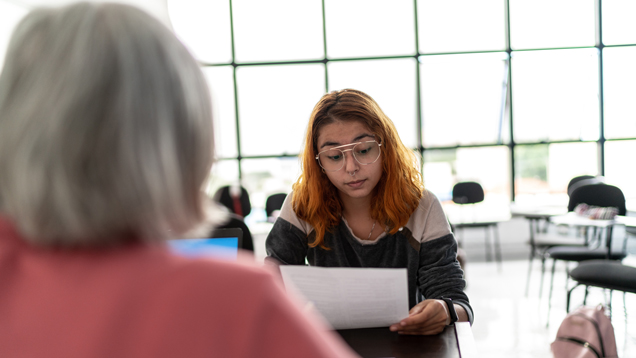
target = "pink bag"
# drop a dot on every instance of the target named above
(586, 332)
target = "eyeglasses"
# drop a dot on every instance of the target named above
(365, 153)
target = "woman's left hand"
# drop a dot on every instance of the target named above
(426, 318)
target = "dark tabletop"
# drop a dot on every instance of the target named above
(380, 342)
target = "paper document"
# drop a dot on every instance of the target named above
(352, 297)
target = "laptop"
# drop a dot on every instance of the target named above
(222, 243)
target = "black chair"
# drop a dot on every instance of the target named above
(235, 221)
(540, 240)
(598, 245)
(471, 193)
(273, 203)
(581, 180)
(605, 274)
(235, 198)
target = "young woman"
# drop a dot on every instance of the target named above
(360, 202)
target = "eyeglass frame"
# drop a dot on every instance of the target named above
(349, 150)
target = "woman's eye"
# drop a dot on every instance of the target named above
(363, 150)
(334, 157)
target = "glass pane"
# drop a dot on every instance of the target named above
(551, 23)
(221, 82)
(368, 28)
(619, 91)
(619, 26)
(274, 106)
(204, 26)
(224, 172)
(489, 166)
(555, 95)
(542, 172)
(10, 15)
(461, 25)
(264, 177)
(277, 30)
(618, 172)
(463, 99)
(380, 79)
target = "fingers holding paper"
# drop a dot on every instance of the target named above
(426, 318)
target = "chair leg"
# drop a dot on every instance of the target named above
(567, 302)
(529, 268)
(624, 305)
(488, 246)
(609, 305)
(495, 229)
(542, 275)
(550, 294)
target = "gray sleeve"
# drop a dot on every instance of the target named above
(439, 274)
(286, 243)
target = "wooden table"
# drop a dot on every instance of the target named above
(455, 341)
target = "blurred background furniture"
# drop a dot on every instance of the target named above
(540, 240)
(467, 194)
(597, 233)
(273, 204)
(235, 198)
(237, 201)
(605, 274)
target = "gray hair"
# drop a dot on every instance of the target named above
(105, 128)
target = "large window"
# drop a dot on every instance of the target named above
(10, 15)
(518, 95)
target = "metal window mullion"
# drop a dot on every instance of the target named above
(324, 44)
(601, 98)
(418, 94)
(236, 103)
(511, 145)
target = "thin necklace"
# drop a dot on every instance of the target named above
(373, 227)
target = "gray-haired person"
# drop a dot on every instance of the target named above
(105, 144)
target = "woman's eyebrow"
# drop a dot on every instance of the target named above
(325, 144)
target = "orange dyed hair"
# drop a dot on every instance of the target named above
(397, 194)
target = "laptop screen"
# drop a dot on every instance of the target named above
(223, 243)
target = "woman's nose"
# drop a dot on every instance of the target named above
(351, 164)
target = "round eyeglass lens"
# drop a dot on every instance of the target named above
(331, 160)
(364, 153)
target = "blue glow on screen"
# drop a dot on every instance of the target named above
(225, 248)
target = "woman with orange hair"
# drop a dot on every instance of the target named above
(360, 202)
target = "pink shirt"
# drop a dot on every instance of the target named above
(142, 301)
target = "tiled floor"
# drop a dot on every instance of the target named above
(508, 324)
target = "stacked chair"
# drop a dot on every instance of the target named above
(597, 246)
(540, 241)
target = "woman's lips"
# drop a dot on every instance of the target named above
(356, 184)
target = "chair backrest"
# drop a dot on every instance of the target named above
(238, 201)
(468, 192)
(274, 202)
(581, 180)
(598, 194)
(235, 221)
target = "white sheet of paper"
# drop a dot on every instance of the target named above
(352, 297)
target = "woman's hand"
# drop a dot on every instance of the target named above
(426, 318)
